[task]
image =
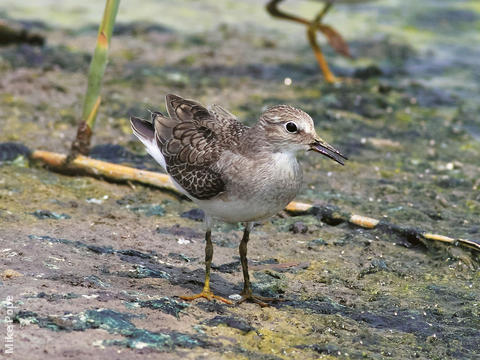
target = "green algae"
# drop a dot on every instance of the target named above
(148, 210)
(115, 323)
(75, 243)
(46, 214)
(268, 283)
(57, 297)
(165, 304)
(285, 224)
(142, 272)
(230, 321)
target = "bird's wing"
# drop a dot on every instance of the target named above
(192, 140)
(223, 116)
(217, 119)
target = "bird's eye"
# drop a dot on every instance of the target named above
(291, 127)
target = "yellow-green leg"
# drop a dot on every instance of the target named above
(247, 293)
(317, 50)
(206, 292)
(312, 27)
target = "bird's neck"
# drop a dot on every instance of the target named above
(255, 142)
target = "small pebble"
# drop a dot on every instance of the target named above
(10, 274)
(194, 214)
(298, 228)
(183, 241)
(317, 242)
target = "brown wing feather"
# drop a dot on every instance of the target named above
(192, 140)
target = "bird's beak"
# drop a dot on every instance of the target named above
(328, 150)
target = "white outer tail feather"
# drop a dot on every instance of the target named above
(150, 144)
(152, 148)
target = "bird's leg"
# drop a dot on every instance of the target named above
(247, 293)
(206, 292)
(324, 11)
(312, 27)
(312, 38)
(272, 8)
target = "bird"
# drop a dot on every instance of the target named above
(235, 173)
(334, 38)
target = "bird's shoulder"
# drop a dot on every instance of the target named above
(195, 134)
(192, 139)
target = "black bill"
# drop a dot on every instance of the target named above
(328, 150)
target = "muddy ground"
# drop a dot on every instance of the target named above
(92, 269)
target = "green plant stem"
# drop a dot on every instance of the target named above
(81, 144)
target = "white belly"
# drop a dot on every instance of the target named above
(239, 210)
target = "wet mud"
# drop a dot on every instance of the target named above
(95, 269)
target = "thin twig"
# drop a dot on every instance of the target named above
(105, 169)
(333, 215)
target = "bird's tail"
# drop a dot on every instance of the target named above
(144, 130)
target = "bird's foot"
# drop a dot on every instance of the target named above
(257, 299)
(332, 79)
(206, 294)
(342, 80)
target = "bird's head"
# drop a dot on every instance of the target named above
(291, 129)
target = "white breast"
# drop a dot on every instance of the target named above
(285, 164)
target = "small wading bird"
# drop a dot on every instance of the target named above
(233, 172)
(334, 38)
